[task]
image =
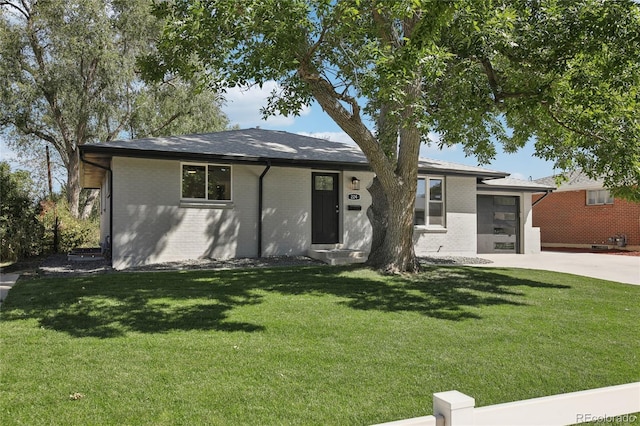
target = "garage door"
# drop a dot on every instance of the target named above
(498, 224)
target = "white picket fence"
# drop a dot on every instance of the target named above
(604, 405)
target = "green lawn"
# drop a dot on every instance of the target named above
(312, 345)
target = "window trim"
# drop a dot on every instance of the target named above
(205, 202)
(427, 226)
(605, 203)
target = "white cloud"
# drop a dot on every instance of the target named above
(243, 107)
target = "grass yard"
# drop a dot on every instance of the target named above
(313, 345)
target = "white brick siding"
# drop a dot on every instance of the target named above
(286, 213)
(460, 233)
(150, 225)
(356, 228)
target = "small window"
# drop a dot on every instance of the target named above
(206, 182)
(420, 217)
(599, 197)
(429, 208)
(436, 203)
(324, 183)
(504, 201)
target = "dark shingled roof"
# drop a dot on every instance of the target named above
(259, 145)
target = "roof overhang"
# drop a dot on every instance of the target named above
(102, 154)
(512, 185)
(96, 151)
(93, 168)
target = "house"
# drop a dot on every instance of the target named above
(255, 192)
(581, 213)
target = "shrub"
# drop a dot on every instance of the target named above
(20, 231)
(72, 232)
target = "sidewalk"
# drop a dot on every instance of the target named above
(623, 269)
(6, 282)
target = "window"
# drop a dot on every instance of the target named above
(429, 209)
(511, 246)
(206, 182)
(598, 197)
(324, 183)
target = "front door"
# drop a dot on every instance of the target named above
(325, 208)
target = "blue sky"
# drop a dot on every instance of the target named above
(243, 109)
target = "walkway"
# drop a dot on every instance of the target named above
(6, 282)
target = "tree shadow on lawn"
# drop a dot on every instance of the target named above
(443, 292)
(113, 305)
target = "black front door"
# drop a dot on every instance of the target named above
(325, 208)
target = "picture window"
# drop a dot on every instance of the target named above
(206, 182)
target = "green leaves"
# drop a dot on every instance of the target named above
(74, 78)
(20, 231)
(561, 72)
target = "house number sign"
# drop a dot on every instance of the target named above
(353, 196)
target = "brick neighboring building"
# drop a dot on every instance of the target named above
(581, 214)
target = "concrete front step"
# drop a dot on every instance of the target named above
(84, 257)
(91, 254)
(338, 256)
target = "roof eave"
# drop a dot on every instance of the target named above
(191, 156)
(512, 188)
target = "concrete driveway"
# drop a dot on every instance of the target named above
(623, 269)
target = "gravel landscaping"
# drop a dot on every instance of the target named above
(58, 264)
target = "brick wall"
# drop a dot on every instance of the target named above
(565, 219)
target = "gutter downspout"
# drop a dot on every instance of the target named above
(108, 170)
(260, 197)
(549, 191)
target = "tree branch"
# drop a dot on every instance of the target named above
(111, 135)
(492, 79)
(351, 122)
(41, 135)
(567, 127)
(49, 94)
(59, 147)
(171, 119)
(385, 28)
(24, 12)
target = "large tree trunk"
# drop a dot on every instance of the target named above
(89, 202)
(73, 184)
(394, 188)
(391, 217)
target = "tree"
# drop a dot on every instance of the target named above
(477, 72)
(72, 79)
(20, 231)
